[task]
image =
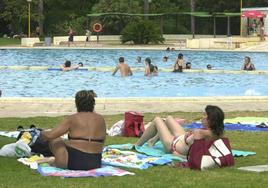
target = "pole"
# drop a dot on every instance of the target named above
(146, 8)
(193, 18)
(29, 19)
(214, 26)
(241, 28)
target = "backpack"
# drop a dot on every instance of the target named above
(205, 154)
(37, 145)
(134, 126)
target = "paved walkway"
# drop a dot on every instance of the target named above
(29, 107)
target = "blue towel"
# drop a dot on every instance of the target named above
(230, 127)
(159, 151)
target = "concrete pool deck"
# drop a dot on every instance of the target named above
(31, 107)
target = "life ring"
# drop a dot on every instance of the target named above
(97, 27)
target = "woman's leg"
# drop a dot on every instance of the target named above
(153, 140)
(175, 128)
(58, 148)
(164, 133)
(149, 133)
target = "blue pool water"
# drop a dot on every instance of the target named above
(27, 83)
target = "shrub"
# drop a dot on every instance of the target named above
(142, 32)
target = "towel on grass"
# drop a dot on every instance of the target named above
(229, 127)
(10, 134)
(130, 159)
(257, 168)
(46, 170)
(248, 120)
(159, 151)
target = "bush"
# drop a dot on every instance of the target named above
(142, 32)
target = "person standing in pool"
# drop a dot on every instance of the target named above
(150, 69)
(179, 64)
(123, 67)
(248, 65)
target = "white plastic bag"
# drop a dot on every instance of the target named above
(116, 129)
(17, 149)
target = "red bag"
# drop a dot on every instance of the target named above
(209, 154)
(134, 125)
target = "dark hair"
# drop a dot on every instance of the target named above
(209, 66)
(121, 59)
(81, 64)
(180, 55)
(188, 65)
(85, 100)
(67, 63)
(247, 57)
(148, 60)
(215, 119)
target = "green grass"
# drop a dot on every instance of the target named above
(14, 174)
(9, 42)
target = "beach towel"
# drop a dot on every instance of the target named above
(159, 151)
(229, 127)
(257, 168)
(130, 159)
(248, 120)
(10, 134)
(46, 170)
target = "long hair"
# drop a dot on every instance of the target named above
(215, 119)
(85, 100)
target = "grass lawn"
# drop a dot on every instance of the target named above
(14, 174)
(9, 42)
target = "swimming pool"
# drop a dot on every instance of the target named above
(29, 83)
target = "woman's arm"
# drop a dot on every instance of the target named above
(56, 132)
(201, 133)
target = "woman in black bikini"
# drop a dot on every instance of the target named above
(248, 65)
(86, 135)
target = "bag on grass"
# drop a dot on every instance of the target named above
(204, 154)
(134, 126)
(32, 138)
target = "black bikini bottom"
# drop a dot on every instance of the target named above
(79, 160)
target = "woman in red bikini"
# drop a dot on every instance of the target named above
(174, 137)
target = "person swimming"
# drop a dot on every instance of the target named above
(67, 66)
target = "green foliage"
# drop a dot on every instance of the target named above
(142, 32)
(113, 24)
(60, 14)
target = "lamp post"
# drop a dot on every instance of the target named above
(29, 18)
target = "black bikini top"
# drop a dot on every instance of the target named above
(86, 139)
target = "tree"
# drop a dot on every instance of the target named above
(113, 24)
(142, 32)
(193, 18)
(41, 16)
